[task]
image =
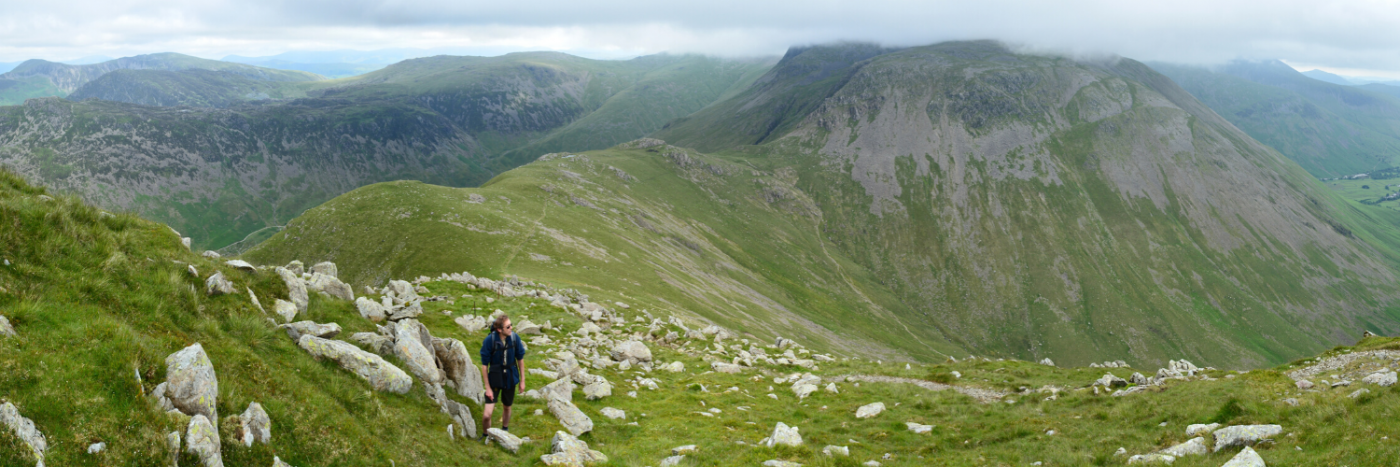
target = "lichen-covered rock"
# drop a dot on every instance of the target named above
(382, 375)
(311, 328)
(632, 352)
(285, 309)
(571, 417)
(567, 450)
(202, 440)
(24, 429)
(296, 267)
(870, 410)
(1200, 429)
(598, 389)
(1246, 458)
(613, 414)
(1244, 435)
(409, 347)
(1193, 447)
(1153, 458)
(330, 286)
(192, 386)
(503, 438)
(783, 435)
(376, 343)
(459, 368)
(218, 285)
(371, 310)
(296, 289)
(560, 390)
(254, 425)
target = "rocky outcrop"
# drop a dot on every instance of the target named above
(24, 429)
(412, 345)
(217, 284)
(296, 289)
(783, 435)
(202, 440)
(381, 375)
(632, 352)
(568, 450)
(311, 328)
(459, 368)
(371, 310)
(1246, 458)
(1244, 435)
(571, 417)
(330, 286)
(284, 309)
(254, 425)
(191, 385)
(504, 439)
(461, 416)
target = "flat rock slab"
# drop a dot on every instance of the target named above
(1244, 435)
(382, 375)
(571, 417)
(1246, 458)
(870, 410)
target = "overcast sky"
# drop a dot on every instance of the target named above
(1357, 37)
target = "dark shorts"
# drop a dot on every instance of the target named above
(505, 395)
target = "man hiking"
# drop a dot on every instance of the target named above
(503, 369)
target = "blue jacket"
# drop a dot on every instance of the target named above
(514, 351)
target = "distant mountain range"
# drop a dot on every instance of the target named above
(40, 78)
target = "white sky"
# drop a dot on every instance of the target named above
(1359, 36)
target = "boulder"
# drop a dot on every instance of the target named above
(409, 348)
(240, 265)
(458, 367)
(24, 429)
(326, 268)
(1153, 458)
(311, 328)
(330, 286)
(296, 267)
(870, 410)
(217, 285)
(527, 328)
(192, 386)
(783, 435)
(296, 289)
(371, 310)
(673, 367)
(1193, 447)
(571, 417)
(503, 438)
(1200, 429)
(831, 388)
(412, 310)
(254, 425)
(842, 451)
(598, 389)
(1246, 458)
(202, 440)
(172, 441)
(382, 375)
(917, 428)
(376, 343)
(802, 390)
(565, 449)
(1381, 378)
(672, 461)
(285, 309)
(1304, 384)
(632, 352)
(560, 390)
(1244, 435)
(462, 416)
(723, 367)
(1047, 362)
(5, 329)
(613, 414)
(1139, 379)
(210, 254)
(1111, 382)
(472, 324)
(402, 291)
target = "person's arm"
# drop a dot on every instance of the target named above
(521, 362)
(485, 359)
(520, 349)
(487, 382)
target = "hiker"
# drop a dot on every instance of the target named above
(503, 369)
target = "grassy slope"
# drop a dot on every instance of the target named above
(191, 88)
(97, 298)
(14, 91)
(1328, 129)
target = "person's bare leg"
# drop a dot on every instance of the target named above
(505, 417)
(486, 417)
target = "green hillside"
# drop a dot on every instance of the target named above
(1329, 129)
(40, 78)
(190, 88)
(1011, 205)
(98, 301)
(228, 177)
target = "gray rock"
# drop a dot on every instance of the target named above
(24, 429)
(371, 310)
(217, 285)
(325, 267)
(1244, 435)
(285, 309)
(459, 368)
(202, 440)
(1193, 447)
(1246, 458)
(192, 386)
(1047, 362)
(917, 428)
(97, 447)
(296, 267)
(566, 449)
(462, 416)
(1200, 429)
(1304, 384)
(402, 291)
(1110, 381)
(412, 310)
(870, 410)
(241, 265)
(277, 462)
(613, 414)
(503, 438)
(376, 343)
(632, 352)
(783, 435)
(571, 417)
(1153, 458)
(471, 323)
(780, 463)
(683, 449)
(330, 286)
(1139, 379)
(1381, 378)
(598, 389)
(723, 367)
(254, 298)
(254, 425)
(296, 289)
(842, 451)
(672, 461)
(410, 349)
(210, 254)
(172, 441)
(5, 329)
(560, 390)
(311, 328)
(527, 328)
(382, 375)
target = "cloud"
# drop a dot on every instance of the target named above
(1343, 35)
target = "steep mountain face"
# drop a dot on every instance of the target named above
(1038, 206)
(223, 175)
(190, 88)
(1329, 129)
